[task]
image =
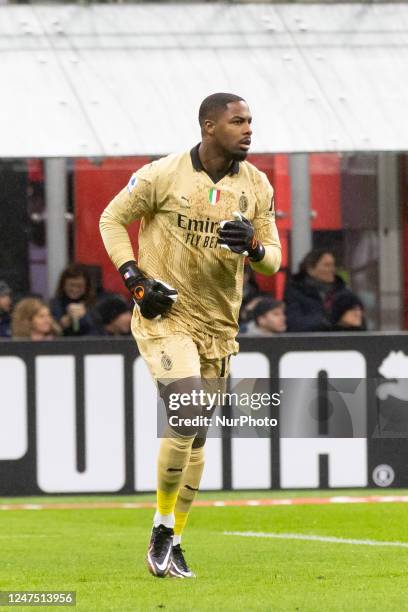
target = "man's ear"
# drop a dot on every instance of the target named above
(209, 126)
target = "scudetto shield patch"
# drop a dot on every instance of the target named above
(166, 362)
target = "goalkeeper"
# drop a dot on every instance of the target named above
(202, 212)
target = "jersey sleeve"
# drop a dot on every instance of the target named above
(133, 202)
(265, 227)
(136, 200)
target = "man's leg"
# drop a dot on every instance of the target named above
(187, 493)
(173, 459)
(176, 357)
(189, 487)
(212, 370)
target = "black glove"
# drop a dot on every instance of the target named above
(239, 237)
(153, 297)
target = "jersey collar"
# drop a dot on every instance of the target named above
(197, 165)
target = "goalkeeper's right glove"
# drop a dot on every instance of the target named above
(153, 297)
(238, 236)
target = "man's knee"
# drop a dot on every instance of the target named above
(182, 400)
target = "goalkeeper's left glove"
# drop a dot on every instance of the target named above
(239, 237)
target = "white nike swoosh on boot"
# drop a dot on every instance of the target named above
(166, 560)
(180, 571)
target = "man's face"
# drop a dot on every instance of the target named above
(232, 131)
(274, 320)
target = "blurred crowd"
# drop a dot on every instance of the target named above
(76, 310)
(316, 299)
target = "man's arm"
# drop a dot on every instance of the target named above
(152, 296)
(266, 231)
(133, 202)
(270, 263)
(258, 240)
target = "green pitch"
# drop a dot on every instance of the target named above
(99, 553)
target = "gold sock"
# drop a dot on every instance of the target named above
(173, 460)
(188, 488)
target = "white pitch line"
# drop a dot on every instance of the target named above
(314, 538)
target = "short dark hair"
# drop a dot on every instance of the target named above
(215, 103)
(110, 307)
(265, 305)
(344, 301)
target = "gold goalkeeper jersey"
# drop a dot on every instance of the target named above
(181, 208)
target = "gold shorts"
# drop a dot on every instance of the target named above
(179, 355)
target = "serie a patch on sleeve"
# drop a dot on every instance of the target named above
(132, 183)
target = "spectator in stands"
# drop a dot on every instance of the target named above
(31, 319)
(72, 306)
(6, 304)
(269, 318)
(309, 294)
(347, 313)
(114, 316)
